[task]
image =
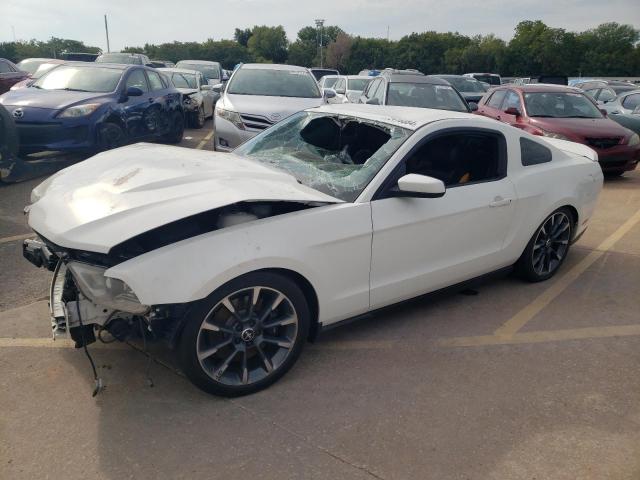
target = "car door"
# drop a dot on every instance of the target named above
(159, 109)
(492, 107)
(135, 107)
(370, 91)
(424, 244)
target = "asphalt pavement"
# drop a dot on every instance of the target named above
(507, 381)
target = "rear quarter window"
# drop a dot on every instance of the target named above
(532, 153)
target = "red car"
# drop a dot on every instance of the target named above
(9, 75)
(565, 113)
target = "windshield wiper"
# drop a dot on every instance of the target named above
(73, 89)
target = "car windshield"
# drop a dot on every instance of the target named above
(210, 72)
(329, 82)
(560, 105)
(273, 83)
(463, 84)
(335, 154)
(425, 95)
(125, 58)
(81, 79)
(358, 84)
(184, 80)
(30, 65)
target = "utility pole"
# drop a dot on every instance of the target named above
(320, 26)
(106, 29)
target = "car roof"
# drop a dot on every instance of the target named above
(540, 87)
(273, 66)
(411, 118)
(410, 78)
(199, 62)
(177, 70)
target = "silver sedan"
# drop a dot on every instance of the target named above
(198, 97)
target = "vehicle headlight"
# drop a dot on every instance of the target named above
(634, 140)
(79, 110)
(559, 136)
(105, 291)
(233, 117)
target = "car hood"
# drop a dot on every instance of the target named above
(273, 108)
(188, 91)
(116, 195)
(580, 128)
(51, 99)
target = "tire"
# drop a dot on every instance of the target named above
(548, 248)
(233, 353)
(110, 135)
(614, 173)
(198, 119)
(176, 128)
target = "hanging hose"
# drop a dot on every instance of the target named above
(98, 381)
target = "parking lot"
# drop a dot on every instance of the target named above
(506, 380)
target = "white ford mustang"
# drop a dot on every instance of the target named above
(237, 259)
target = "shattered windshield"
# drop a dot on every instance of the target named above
(336, 154)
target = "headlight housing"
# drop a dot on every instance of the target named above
(230, 116)
(105, 291)
(79, 110)
(559, 136)
(634, 140)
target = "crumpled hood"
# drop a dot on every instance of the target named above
(116, 195)
(273, 108)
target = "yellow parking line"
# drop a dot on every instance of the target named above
(543, 336)
(519, 320)
(16, 237)
(205, 140)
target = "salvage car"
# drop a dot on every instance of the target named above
(349, 88)
(212, 71)
(471, 89)
(566, 113)
(198, 97)
(124, 58)
(35, 67)
(10, 74)
(238, 259)
(259, 95)
(90, 107)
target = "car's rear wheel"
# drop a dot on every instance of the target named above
(245, 335)
(176, 128)
(110, 135)
(548, 248)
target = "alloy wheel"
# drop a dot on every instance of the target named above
(247, 336)
(551, 243)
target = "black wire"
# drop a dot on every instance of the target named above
(86, 350)
(144, 347)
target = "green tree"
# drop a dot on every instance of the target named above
(268, 43)
(242, 36)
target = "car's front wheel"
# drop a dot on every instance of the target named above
(548, 248)
(199, 117)
(245, 335)
(176, 128)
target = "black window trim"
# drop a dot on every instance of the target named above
(527, 164)
(384, 190)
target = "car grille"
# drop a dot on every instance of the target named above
(604, 142)
(255, 122)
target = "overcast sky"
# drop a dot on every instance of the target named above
(133, 23)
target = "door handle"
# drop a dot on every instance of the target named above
(498, 117)
(500, 202)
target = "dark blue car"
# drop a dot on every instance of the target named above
(91, 107)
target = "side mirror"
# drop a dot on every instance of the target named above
(134, 92)
(373, 101)
(206, 88)
(512, 111)
(217, 88)
(422, 186)
(341, 91)
(328, 93)
(473, 106)
(604, 112)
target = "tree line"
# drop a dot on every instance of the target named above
(611, 49)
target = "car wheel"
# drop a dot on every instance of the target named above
(548, 248)
(198, 119)
(176, 131)
(245, 335)
(110, 135)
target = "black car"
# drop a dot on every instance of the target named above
(413, 89)
(471, 89)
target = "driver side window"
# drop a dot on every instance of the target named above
(461, 157)
(137, 79)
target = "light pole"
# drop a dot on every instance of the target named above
(106, 30)
(320, 27)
